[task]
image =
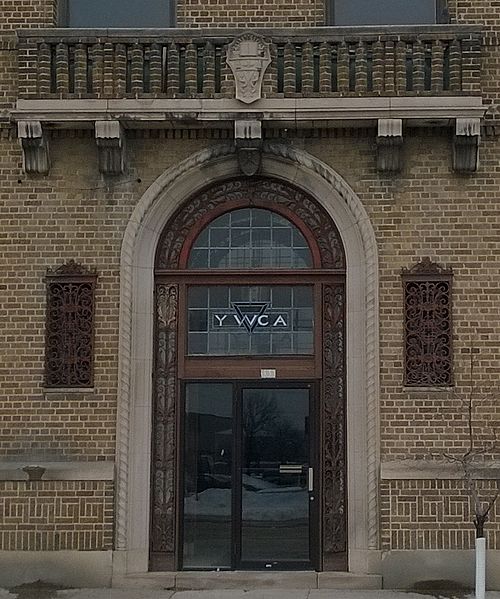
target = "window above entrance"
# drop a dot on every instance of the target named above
(250, 238)
(250, 320)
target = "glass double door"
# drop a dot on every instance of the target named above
(247, 476)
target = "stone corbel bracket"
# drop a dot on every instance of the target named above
(35, 147)
(110, 140)
(466, 145)
(248, 137)
(389, 145)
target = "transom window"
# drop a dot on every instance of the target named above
(387, 12)
(250, 320)
(250, 238)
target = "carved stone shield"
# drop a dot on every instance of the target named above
(248, 58)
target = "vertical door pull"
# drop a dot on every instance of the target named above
(311, 479)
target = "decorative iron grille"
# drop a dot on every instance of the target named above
(428, 325)
(69, 339)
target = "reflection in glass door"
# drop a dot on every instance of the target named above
(208, 446)
(275, 494)
(247, 477)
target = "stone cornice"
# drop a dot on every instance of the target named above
(307, 112)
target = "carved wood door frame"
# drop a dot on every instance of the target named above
(328, 277)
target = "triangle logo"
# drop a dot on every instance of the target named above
(248, 313)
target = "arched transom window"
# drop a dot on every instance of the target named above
(250, 238)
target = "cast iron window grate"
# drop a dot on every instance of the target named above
(69, 336)
(427, 325)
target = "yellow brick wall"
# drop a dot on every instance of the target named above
(250, 13)
(427, 210)
(56, 516)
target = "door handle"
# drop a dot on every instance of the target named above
(311, 479)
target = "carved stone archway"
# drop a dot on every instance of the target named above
(152, 212)
(271, 194)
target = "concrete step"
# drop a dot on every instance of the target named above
(249, 580)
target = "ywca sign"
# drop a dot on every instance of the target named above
(250, 316)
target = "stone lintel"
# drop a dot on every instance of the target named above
(35, 147)
(466, 145)
(110, 141)
(389, 145)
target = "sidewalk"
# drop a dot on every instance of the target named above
(34, 591)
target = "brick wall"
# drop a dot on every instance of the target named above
(427, 210)
(15, 14)
(58, 515)
(433, 514)
(250, 13)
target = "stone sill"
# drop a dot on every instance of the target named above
(12, 471)
(435, 470)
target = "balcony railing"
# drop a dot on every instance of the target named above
(320, 62)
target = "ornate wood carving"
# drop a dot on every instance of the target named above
(333, 423)
(259, 191)
(164, 430)
(427, 319)
(69, 338)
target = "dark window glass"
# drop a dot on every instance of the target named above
(384, 12)
(244, 320)
(207, 480)
(119, 13)
(250, 238)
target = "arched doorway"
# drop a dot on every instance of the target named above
(249, 416)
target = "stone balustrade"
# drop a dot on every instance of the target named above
(309, 62)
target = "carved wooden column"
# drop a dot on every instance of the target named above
(333, 421)
(164, 430)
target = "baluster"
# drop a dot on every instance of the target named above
(307, 69)
(190, 70)
(44, 69)
(400, 74)
(109, 70)
(418, 67)
(155, 70)
(325, 68)
(97, 69)
(137, 70)
(62, 70)
(209, 71)
(361, 73)
(80, 70)
(437, 66)
(270, 82)
(120, 68)
(389, 67)
(455, 66)
(289, 70)
(227, 79)
(343, 68)
(378, 67)
(173, 70)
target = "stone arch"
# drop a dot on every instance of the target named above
(141, 237)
